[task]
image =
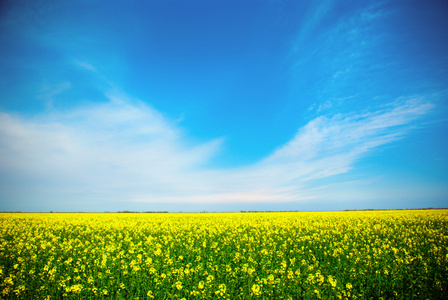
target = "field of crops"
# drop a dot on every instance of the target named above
(321, 255)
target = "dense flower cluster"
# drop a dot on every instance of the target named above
(325, 255)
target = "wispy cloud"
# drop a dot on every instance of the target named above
(341, 64)
(126, 151)
(86, 66)
(49, 92)
(317, 12)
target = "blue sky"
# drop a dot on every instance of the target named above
(223, 105)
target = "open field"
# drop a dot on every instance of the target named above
(300, 255)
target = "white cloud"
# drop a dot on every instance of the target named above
(126, 151)
(86, 66)
(317, 12)
(108, 146)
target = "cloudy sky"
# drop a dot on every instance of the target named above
(223, 105)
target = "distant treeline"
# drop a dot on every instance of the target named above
(267, 211)
(371, 209)
(244, 211)
(143, 212)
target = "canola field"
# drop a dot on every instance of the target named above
(297, 255)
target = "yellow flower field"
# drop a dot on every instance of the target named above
(297, 255)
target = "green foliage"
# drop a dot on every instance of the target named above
(332, 255)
